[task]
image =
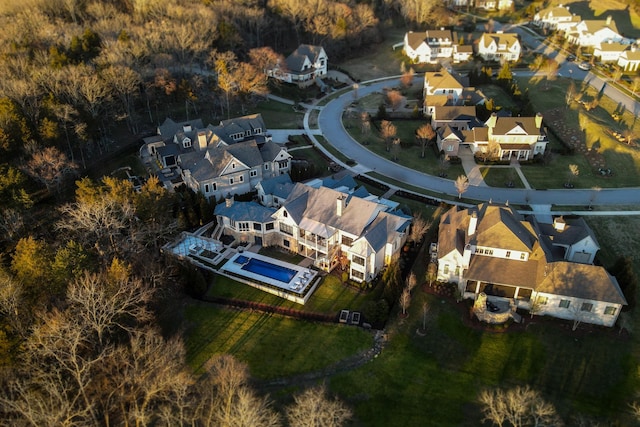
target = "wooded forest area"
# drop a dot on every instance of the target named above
(83, 285)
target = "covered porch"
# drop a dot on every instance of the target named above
(499, 292)
(515, 151)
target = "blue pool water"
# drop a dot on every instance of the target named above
(264, 268)
(241, 259)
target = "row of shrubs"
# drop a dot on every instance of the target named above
(267, 308)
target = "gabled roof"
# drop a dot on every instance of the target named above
(555, 12)
(514, 125)
(447, 133)
(460, 113)
(631, 54)
(442, 80)
(212, 162)
(575, 230)
(279, 186)
(169, 128)
(507, 39)
(296, 60)
(611, 46)
(594, 25)
(415, 39)
(245, 211)
(582, 281)
(320, 205)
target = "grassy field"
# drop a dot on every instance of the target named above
(330, 297)
(499, 177)
(272, 345)
(278, 115)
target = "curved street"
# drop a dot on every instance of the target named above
(330, 124)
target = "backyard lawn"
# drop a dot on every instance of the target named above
(272, 345)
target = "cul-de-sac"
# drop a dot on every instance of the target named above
(304, 213)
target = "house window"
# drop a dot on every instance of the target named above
(489, 251)
(564, 303)
(233, 165)
(269, 226)
(610, 310)
(457, 273)
(446, 269)
(542, 300)
(257, 226)
(286, 243)
(347, 241)
(286, 229)
(508, 255)
(241, 178)
(275, 200)
(243, 226)
(450, 147)
(357, 259)
(253, 173)
(586, 306)
(357, 274)
(230, 181)
(285, 214)
(266, 167)
(206, 188)
(186, 143)
(214, 186)
(257, 130)
(282, 164)
(522, 255)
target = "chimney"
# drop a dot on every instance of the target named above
(473, 223)
(559, 224)
(609, 20)
(538, 120)
(441, 28)
(340, 205)
(202, 141)
(186, 128)
(491, 123)
(228, 201)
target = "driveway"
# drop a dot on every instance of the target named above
(330, 123)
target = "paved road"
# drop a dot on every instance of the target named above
(571, 70)
(330, 123)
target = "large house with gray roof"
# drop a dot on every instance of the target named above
(229, 158)
(351, 228)
(544, 268)
(431, 46)
(303, 66)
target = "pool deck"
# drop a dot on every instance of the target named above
(297, 285)
(208, 253)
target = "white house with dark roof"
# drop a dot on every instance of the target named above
(494, 4)
(545, 268)
(431, 46)
(303, 66)
(499, 47)
(629, 59)
(354, 229)
(609, 51)
(589, 33)
(555, 18)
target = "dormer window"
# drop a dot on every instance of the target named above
(233, 165)
(186, 143)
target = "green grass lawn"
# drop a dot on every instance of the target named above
(273, 346)
(433, 380)
(329, 298)
(499, 177)
(278, 115)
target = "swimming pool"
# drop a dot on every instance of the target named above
(267, 269)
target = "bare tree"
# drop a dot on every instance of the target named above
(395, 99)
(407, 77)
(313, 408)
(365, 123)
(395, 148)
(432, 273)
(574, 171)
(519, 407)
(635, 85)
(405, 300)
(462, 185)
(412, 281)
(51, 167)
(419, 226)
(425, 134)
(388, 131)
(425, 312)
(124, 82)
